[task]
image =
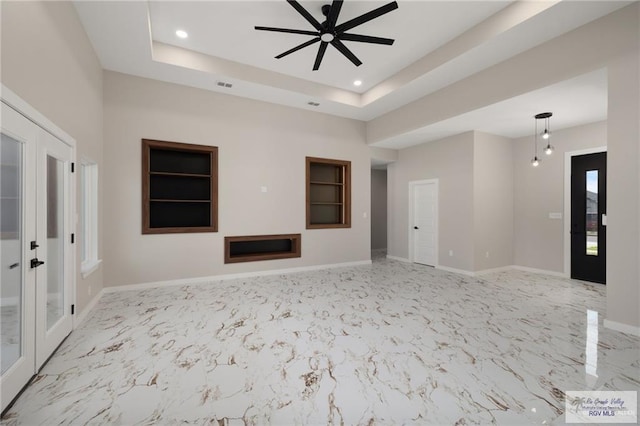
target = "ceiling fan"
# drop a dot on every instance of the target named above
(328, 32)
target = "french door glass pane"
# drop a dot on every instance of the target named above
(55, 240)
(592, 212)
(10, 251)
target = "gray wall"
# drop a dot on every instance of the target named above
(492, 201)
(378, 209)
(623, 187)
(49, 62)
(451, 161)
(538, 191)
(475, 176)
(260, 144)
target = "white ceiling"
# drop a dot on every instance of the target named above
(225, 30)
(437, 43)
(576, 101)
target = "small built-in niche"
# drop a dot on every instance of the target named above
(328, 193)
(261, 247)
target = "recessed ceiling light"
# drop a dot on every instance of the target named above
(357, 83)
(182, 34)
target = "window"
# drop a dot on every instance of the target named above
(328, 193)
(179, 187)
(88, 217)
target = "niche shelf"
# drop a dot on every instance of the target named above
(261, 247)
(328, 201)
(179, 187)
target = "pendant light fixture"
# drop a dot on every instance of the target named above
(545, 134)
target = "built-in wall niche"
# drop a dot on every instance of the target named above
(328, 201)
(179, 187)
(261, 247)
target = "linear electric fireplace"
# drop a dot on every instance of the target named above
(261, 247)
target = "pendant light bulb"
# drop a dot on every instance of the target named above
(548, 150)
(535, 162)
(545, 134)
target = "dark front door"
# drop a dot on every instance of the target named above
(588, 209)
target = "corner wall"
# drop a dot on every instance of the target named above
(492, 201)
(49, 62)
(623, 190)
(260, 144)
(449, 160)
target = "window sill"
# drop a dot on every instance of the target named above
(89, 267)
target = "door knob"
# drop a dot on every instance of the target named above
(35, 263)
(415, 227)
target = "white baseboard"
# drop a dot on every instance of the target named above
(456, 271)
(82, 316)
(492, 270)
(540, 271)
(624, 328)
(500, 269)
(213, 278)
(399, 259)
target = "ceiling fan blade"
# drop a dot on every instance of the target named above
(287, 30)
(321, 50)
(346, 52)
(298, 47)
(366, 39)
(336, 5)
(345, 26)
(302, 11)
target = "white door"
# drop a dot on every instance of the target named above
(53, 291)
(424, 222)
(35, 251)
(17, 229)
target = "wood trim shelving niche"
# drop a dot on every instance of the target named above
(328, 201)
(261, 247)
(179, 187)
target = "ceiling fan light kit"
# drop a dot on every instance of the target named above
(330, 32)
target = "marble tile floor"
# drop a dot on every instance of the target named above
(389, 344)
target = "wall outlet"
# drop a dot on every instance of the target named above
(486, 255)
(364, 215)
(263, 189)
(450, 252)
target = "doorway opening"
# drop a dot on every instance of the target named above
(379, 210)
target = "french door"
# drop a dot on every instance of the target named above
(36, 256)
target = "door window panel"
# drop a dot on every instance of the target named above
(10, 251)
(55, 240)
(592, 213)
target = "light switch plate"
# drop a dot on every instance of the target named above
(555, 215)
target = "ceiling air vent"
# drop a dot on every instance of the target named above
(223, 84)
(315, 104)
